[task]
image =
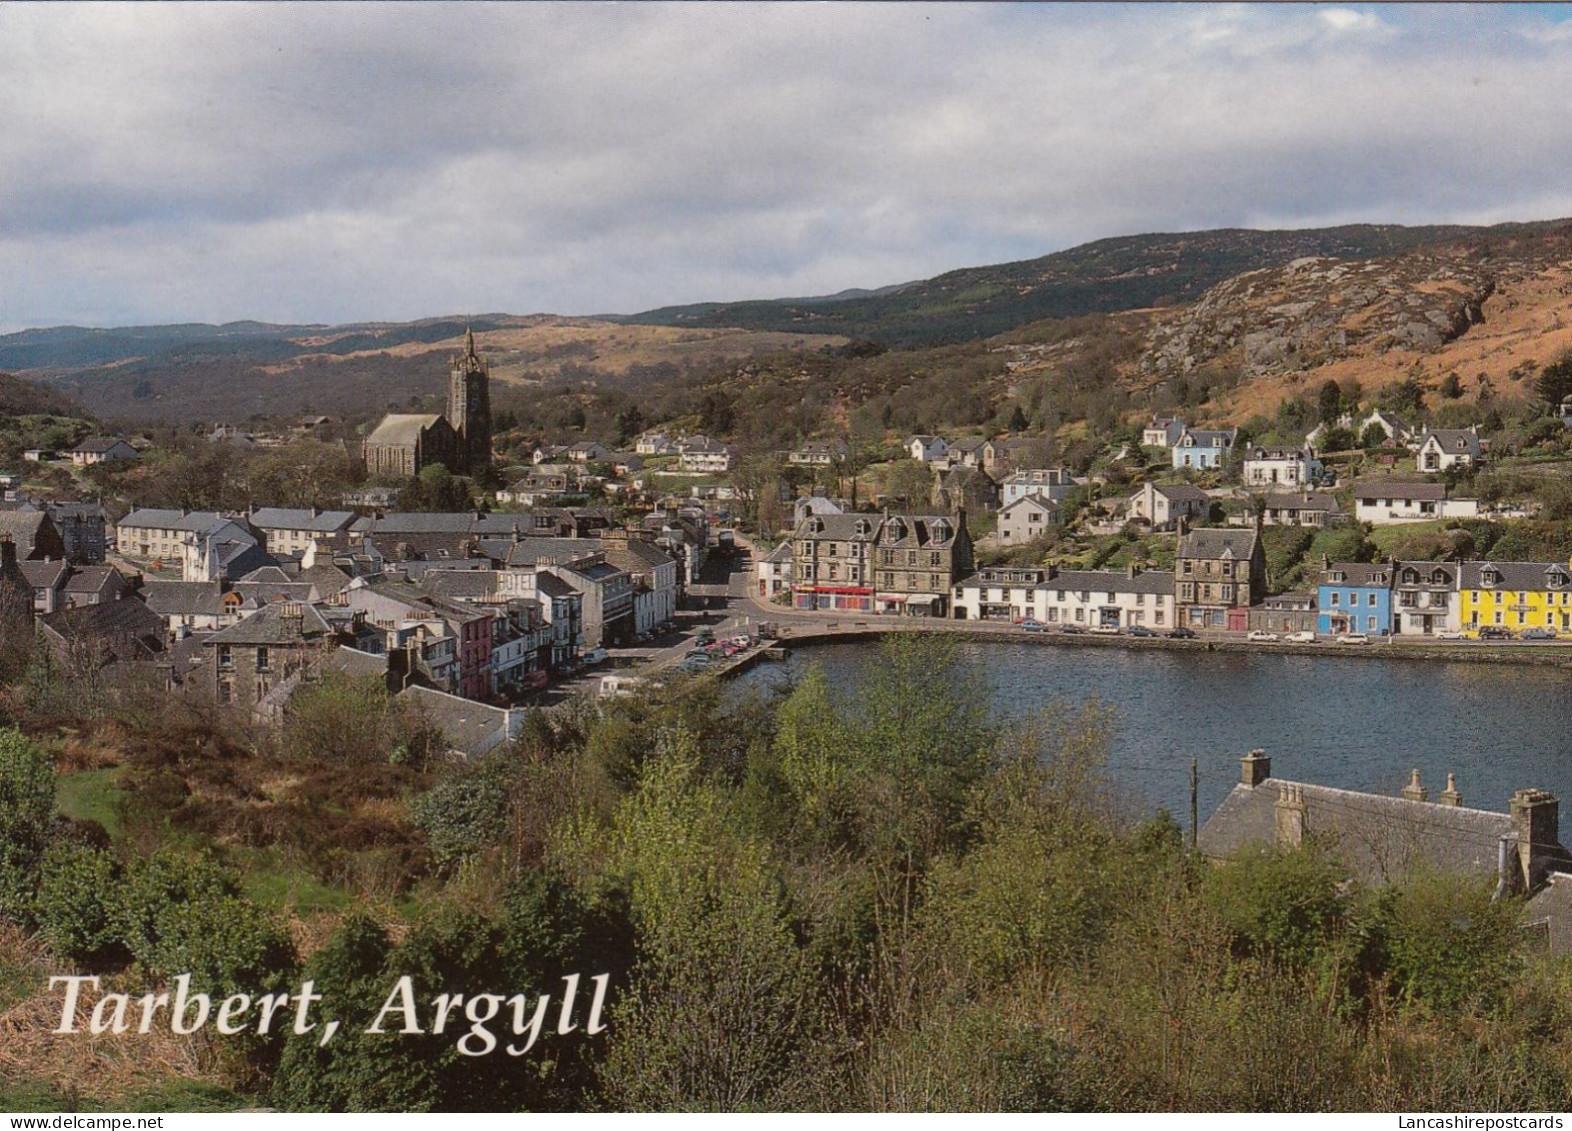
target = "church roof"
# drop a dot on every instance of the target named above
(401, 428)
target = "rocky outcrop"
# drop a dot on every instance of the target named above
(1315, 310)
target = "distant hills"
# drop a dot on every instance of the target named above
(1111, 275)
(244, 369)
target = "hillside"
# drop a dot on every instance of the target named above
(24, 398)
(1124, 273)
(236, 371)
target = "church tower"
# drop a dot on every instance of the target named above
(469, 407)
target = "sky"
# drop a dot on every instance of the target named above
(328, 163)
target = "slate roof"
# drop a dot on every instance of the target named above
(1456, 441)
(290, 518)
(914, 530)
(1358, 574)
(1380, 838)
(1426, 571)
(268, 625)
(1181, 493)
(1216, 545)
(327, 579)
(43, 575)
(1110, 581)
(184, 598)
(402, 429)
(22, 527)
(469, 727)
(550, 585)
(1399, 489)
(96, 444)
(839, 527)
(129, 628)
(157, 518)
(90, 579)
(460, 584)
(1514, 575)
(1207, 438)
(528, 551)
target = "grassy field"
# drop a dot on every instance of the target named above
(91, 795)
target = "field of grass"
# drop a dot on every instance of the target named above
(91, 795)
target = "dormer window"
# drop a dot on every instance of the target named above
(862, 527)
(1490, 577)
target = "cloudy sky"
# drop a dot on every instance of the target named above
(330, 163)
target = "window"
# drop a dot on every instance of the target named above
(226, 658)
(1370, 622)
(1371, 600)
(1335, 597)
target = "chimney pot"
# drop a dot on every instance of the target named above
(1255, 768)
(1450, 795)
(1413, 791)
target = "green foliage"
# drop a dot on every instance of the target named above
(78, 902)
(1284, 905)
(1373, 436)
(1405, 397)
(1554, 383)
(339, 718)
(185, 914)
(1451, 386)
(1448, 944)
(435, 489)
(465, 813)
(27, 799)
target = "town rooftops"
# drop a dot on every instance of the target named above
(1181, 492)
(841, 527)
(185, 598)
(918, 530)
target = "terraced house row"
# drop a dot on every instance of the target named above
(1471, 598)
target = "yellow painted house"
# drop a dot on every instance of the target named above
(1515, 596)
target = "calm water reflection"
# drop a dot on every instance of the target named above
(1356, 724)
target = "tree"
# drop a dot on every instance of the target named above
(1554, 383)
(1329, 402)
(1451, 386)
(1373, 436)
(435, 489)
(907, 484)
(27, 801)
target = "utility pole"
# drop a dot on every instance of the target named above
(1194, 783)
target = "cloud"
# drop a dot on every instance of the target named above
(337, 162)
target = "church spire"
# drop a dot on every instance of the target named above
(469, 342)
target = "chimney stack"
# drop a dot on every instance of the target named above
(1413, 791)
(1290, 814)
(1255, 768)
(1536, 818)
(1450, 795)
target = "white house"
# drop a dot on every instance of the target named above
(928, 449)
(1087, 598)
(1053, 483)
(654, 444)
(1162, 505)
(818, 453)
(101, 449)
(1280, 467)
(1443, 448)
(772, 573)
(1384, 502)
(701, 456)
(1162, 431)
(1026, 519)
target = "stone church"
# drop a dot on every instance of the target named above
(404, 443)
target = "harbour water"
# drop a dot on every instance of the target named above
(1353, 723)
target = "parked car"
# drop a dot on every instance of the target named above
(594, 656)
(1259, 637)
(1450, 634)
(1495, 632)
(1030, 625)
(1538, 634)
(1305, 636)
(699, 655)
(1180, 633)
(1353, 638)
(1105, 630)
(1072, 629)
(1141, 630)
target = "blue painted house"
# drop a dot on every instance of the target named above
(1200, 450)
(1355, 597)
